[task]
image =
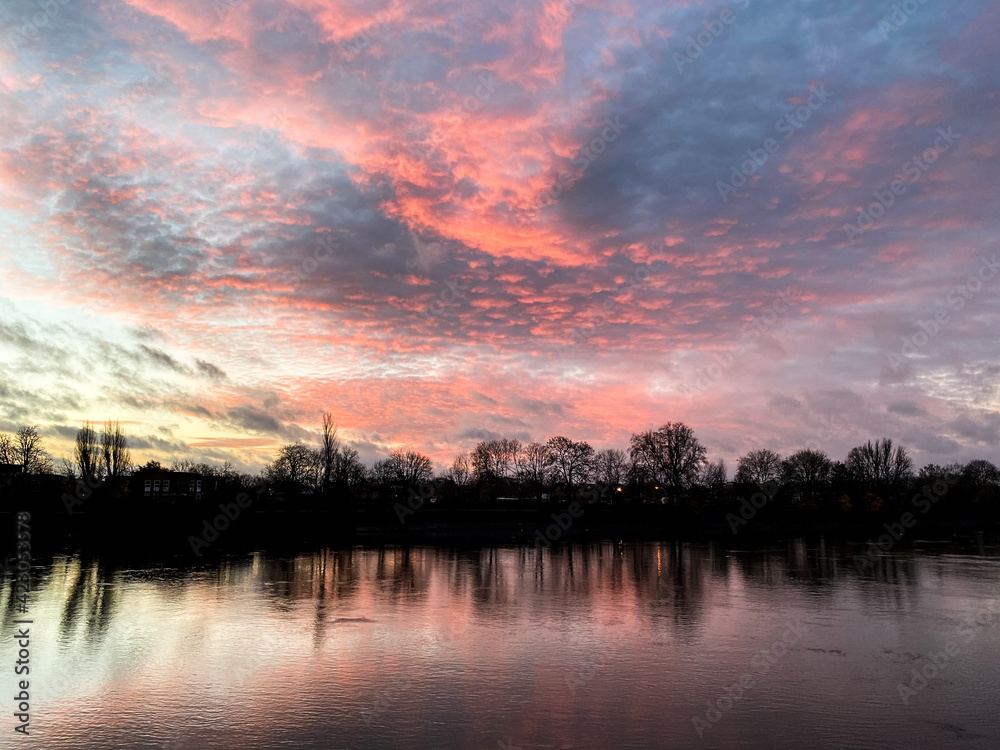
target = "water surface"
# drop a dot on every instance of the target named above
(585, 646)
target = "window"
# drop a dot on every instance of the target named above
(199, 485)
(147, 485)
(166, 485)
(191, 485)
(156, 485)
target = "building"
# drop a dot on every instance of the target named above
(172, 486)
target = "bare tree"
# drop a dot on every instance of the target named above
(610, 467)
(572, 461)
(714, 474)
(29, 452)
(68, 469)
(534, 464)
(758, 467)
(383, 472)
(806, 472)
(116, 459)
(348, 471)
(295, 464)
(930, 472)
(981, 473)
(328, 452)
(87, 452)
(807, 468)
(483, 461)
(713, 478)
(508, 450)
(670, 455)
(461, 470)
(879, 465)
(6, 450)
(495, 459)
(408, 468)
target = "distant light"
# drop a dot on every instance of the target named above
(619, 489)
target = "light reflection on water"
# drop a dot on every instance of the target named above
(586, 646)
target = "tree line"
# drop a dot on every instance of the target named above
(667, 465)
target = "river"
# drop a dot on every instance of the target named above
(604, 645)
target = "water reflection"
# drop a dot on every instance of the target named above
(596, 645)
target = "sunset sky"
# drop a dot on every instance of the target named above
(451, 221)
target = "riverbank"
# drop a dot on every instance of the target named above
(197, 536)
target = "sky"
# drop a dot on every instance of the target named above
(446, 222)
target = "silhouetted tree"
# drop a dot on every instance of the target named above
(879, 466)
(930, 472)
(980, 473)
(806, 472)
(87, 452)
(409, 468)
(116, 460)
(758, 467)
(461, 470)
(226, 473)
(671, 456)
(349, 473)
(383, 473)
(572, 461)
(534, 464)
(328, 450)
(713, 480)
(295, 465)
(494, 459)
(68, 470)
(28, 452)
(6, 449)
(714, 473)
(610, 467)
